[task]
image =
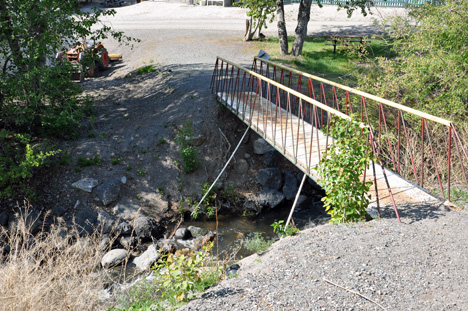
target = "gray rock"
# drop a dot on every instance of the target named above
(123, 228)
(247, 156)
(128, 242)
(181, 244)
(4, 219)
(167, 246)
(85, 184)
(126, 210)
(251, 207)
(270, 178)
(197, 231)
(86, 219)
(271, 158)
(147, 259)
(106, 221)
(182, 234)
(105, 243)
(108, 191)
(261, 146)
(242, 166)
(270, 198)
(231, 271)
(114, 258)
(147, 228)
(123, 180)
(290, 187)
(59, 210)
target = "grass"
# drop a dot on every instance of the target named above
(83, 162)
(318, 58)
(145, 69)
(256, 243)
(49, 271)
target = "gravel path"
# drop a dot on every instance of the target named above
(420, 264)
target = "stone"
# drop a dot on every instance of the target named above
(270, 178)
(128, 242)
(290, 186)
(123, 228)
(105, 243)
(114, 258)
(246, 155)
(123, 180)
(147, 259)
(251, 207)
(271, 158)
(126, 210)
(270, 198)
(106, 222)
(86, 219)
(197, 231)
(147, 228)
(108, 191)
(261, 146)
(242, 166)
(182, 234)
(59, 210)
(4, 219)
(85, 184)
(231, 271)
(167, 246)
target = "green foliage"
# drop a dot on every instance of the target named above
(341, 169)
(141, 172)
(145, 69)
(256, 243)
(279, 227)
(18, 160)
(430, 71)
(161, 141)
(116, 160)
(188, 153)
(83, 162)
(260, 12)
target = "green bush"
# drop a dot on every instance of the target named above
(282, 230)
(188, 153)
(341, 169)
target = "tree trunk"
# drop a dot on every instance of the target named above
(282, 32)
(301, 30)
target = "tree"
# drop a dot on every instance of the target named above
(429, 66)
(37, 97)
(260, 11)
(282, 32)
(303, 18)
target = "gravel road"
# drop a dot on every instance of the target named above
(420, 264)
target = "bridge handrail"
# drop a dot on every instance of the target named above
(361, 93)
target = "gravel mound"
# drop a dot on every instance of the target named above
(419, 264)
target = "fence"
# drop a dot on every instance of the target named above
(380, 3)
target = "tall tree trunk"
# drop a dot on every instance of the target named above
(303, 18)
(282, 32)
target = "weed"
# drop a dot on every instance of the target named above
(283, 231)
(91, 135)
(160, 190)
(141, 172)
(166, 124)
(188, 153)
(116, 160)
(66, 158)
(161, 141)
(138, 127)
(129, 167)
(102, 135)
(83, 162)
(144, 151)
(256, 243)
(145, 69)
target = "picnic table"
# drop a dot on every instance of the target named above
(348, 40)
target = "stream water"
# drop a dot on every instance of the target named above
(232, 229)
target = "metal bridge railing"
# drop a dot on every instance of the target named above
(421, 148)
(380, 3)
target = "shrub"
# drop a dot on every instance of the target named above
(188, 153)
(282, 230)
(341, 168)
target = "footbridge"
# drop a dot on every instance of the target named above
(420, 157)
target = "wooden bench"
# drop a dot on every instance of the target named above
(348, 40)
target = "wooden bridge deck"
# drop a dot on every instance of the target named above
(304, 145)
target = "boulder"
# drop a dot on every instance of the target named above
(290, 186)
(4, 219)
(106, 222)
(128, 242)
(114, 258)
(251, 207)
(261, 146)
(147, 259)
(182, 234)
(242, 166)
(271, 158)
(123, 228)
(126, 210)
(197, 231)
(270, 178)
(108, 191)
(167, 246)
(85, 184)
(147, 228)
(270, 198)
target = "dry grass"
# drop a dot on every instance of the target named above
(57, 270)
